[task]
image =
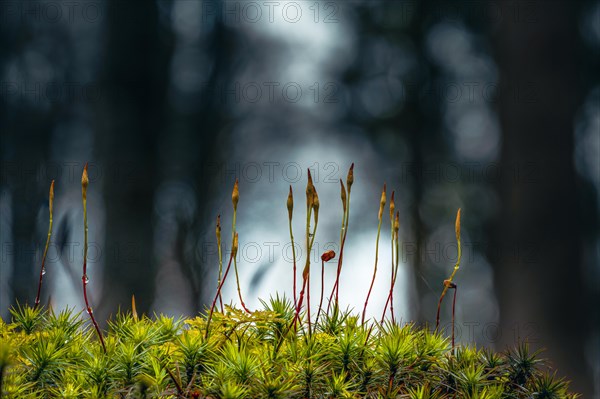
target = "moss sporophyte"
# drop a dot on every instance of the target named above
(281, 350)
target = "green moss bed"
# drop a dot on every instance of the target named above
(44, 354)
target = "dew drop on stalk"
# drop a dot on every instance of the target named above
(86, 279)
(43, 271)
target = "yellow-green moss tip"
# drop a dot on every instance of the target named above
(350, 177)
(290, 203)
(392, 207)
(235, 194)
(51, 198)
(382, 202)
(457, 225)
(133, 308)
(85, 181)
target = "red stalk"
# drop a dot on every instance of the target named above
(218, 294)
(381, 206)
(84, 278)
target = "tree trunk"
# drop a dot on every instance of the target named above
(134, 84)
(537, 237)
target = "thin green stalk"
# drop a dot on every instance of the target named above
(343, 230)
(234, 247)
(306, 270)
(235, 197)
(345, 218)
(448, 283)
(396, 231)
(349, 182)
(84, 278)
(453, 312)
(218, 234)
(312, 203)
(392, 208)
(390, 298)
(322, 289)
(344, 198)
(395, 241)
(43, 268)
(326, 257)
(308, 304)
(290, 207)
(310, 245)
(342, 235)
(381, 206)
(305, 277)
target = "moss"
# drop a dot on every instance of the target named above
(45, 354)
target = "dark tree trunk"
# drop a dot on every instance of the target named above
(24, 137)
(537, 236)
(134, 85)
(26, 177)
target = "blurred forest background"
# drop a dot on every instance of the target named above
(492, 106)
